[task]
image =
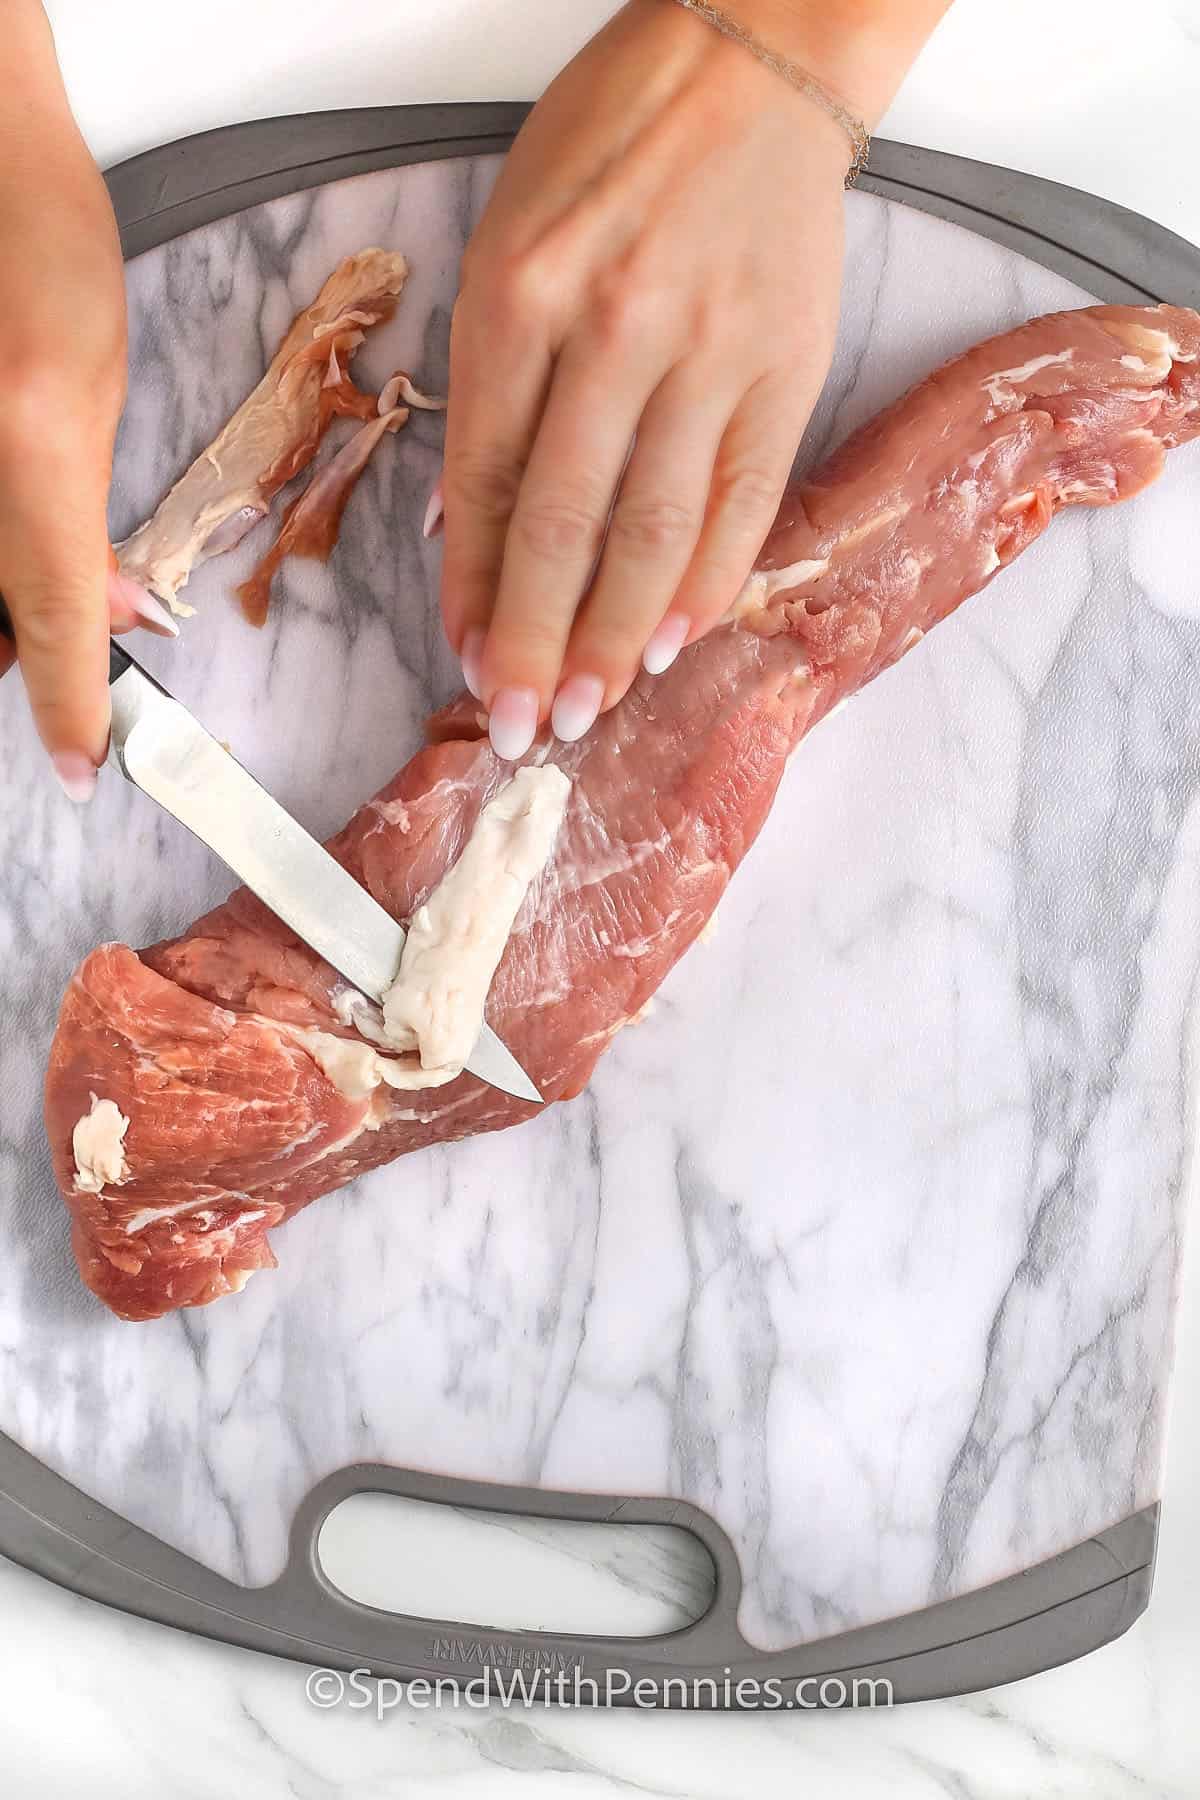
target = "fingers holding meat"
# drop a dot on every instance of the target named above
(633, 360)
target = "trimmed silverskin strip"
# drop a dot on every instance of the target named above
(164, 751)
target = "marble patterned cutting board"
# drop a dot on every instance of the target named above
(866, 1240)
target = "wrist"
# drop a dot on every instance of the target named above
(860, 50)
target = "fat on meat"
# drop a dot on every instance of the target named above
(232, 1125)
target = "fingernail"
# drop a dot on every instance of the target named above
(152, 613)
(666, 644)
(434, 512)
(513, 722)
(471, 657)
(576, 706)
(76, 775)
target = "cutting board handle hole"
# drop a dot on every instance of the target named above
(513, 1571)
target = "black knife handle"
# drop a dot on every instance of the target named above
(118, 660)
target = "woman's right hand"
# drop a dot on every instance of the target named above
(62, 386)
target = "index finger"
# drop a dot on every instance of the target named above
(55, 582)
(499, 373)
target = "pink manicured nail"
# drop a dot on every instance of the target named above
(471, 657)
(76, 775)
(513, 722)
(666, 644)
(123, 590)
(576, 706)
(434, 512)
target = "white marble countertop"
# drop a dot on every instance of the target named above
(93, 1701)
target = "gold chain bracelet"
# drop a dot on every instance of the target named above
(795, 76)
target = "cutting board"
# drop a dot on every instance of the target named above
(859, 1254)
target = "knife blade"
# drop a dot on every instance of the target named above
(162, 749)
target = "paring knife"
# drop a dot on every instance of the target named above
(159, 747)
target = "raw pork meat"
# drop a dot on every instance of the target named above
(273, 434)
(232, 1126)
(314, 519)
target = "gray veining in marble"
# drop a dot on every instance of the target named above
(866, 1240)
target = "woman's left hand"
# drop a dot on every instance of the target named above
(659, 267)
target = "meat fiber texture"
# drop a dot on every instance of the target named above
(233, 1127)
